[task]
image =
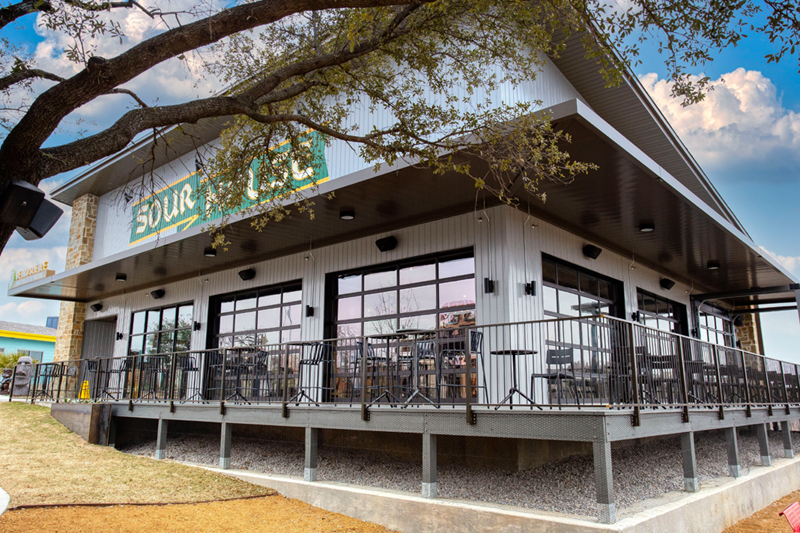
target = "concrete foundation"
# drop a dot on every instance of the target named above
(92, 421)
(708, 511)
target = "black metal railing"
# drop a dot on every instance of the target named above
(547, 364)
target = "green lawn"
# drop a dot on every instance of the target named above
(41, 461)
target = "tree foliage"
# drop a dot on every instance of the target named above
(430, 69)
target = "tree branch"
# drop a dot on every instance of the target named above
(11, 13)
(21, 75)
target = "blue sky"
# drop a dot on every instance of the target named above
(746, 136)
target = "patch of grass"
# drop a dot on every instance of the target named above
(41, 461)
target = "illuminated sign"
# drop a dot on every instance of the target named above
(29, 275)
(179, 205)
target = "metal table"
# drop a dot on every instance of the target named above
(514, 384)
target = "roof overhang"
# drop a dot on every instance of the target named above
(605, 207)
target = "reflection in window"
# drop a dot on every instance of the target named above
(716, 327)
(163, 330)
(423, 294)
(660, 313)
(269, 315)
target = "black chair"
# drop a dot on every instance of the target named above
(317, 356)
(558, 360)
(451, 356)
(372, 360)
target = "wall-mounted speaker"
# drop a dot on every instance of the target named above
(247, 274)
(738, 321)
(96, 307)
(591, 251)
(120, 336)
(667, 284)
(158, 294)
(309, 311)
(386, 244)
(19, 203)
(530, 288)
(488, 286)
(46, 217)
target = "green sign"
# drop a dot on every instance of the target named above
(180, 205)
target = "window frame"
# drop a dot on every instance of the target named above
(678, 313)
(617, 304)
(161, 329)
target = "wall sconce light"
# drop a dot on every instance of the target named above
(635, 316)
(196, 325)
(530, 288)
(488, 286)
(120, 336)
(96, 307)
(386, 244)
(247, 274)
(309, 311)
(667, 284)
(591, 251)
(158, 294)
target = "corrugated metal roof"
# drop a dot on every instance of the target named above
(26, 328)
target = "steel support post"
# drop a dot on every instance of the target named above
(734, 465)
(161, 439)
(788, 450)
(604, 483)
(429, 474)
(225, 440)
(312, 440)
(690, 481)
(763, 445)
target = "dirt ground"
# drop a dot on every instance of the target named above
(767, 520)
(274, 514)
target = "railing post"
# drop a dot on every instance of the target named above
(13, 380)
(285, 398)
(471, 417)
(32, 388)
(747, 396)
(363, 369)
(222, 382)
(768, 383)
(683, 381)
(172, 384)
(785, 388)
(60, 378)
(719, 382)
(94, 394)
(634, 370)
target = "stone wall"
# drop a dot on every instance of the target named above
(749, 334)
(69, 339)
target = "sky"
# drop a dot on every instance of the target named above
(745, 135)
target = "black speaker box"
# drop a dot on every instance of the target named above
(19, 202)
(386, 244)
(46, 217)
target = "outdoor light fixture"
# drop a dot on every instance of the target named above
(120, 336)
(591, 251)
(210, 252)
(386, 244)
(121, 277)
(96, 307)
(488, 286)
(347, 214)
(530, 288)
(158, 294)
(738, 321)
(247, 274)
(712, 265)
(667, 284)
(309, 311)
(196, 325)
(647, 227)
(635, 316)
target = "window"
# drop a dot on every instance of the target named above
(162, 330)
(256, 317)
(570, 291)
(660, 313)
(33, 354)
(423, 293)
(716, 327)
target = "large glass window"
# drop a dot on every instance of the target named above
(660, 313)
(716, 327)
(424, 293)
(162, 330)
(256, 317)
(569, 291)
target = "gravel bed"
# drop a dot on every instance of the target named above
(642, 470)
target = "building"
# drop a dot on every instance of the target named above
(38, 342)
(636, 287)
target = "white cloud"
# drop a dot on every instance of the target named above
(14, 258)
(740, 130)
(29, 311)
(788, 262)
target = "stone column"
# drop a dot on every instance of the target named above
(749, 334)
(69, 339)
